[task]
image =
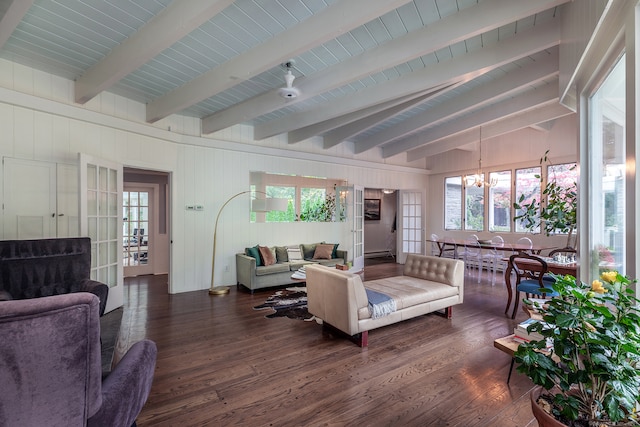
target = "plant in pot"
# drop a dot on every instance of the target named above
(558, 213)
(589, 375)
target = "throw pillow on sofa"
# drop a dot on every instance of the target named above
(281, 254)
(266, 255)
(294, 254)
(254, 253)
(323, 251)
(308, 250)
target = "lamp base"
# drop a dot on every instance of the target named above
(219, 290)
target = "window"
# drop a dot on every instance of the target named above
(312, 205)
(527, 190)
(500, 201)
(453, 203)
(607, 202)
(474, 207)
(282, 193)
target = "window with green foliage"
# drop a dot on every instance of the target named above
(500, 201)
(474, 207)
(527, 190)
(282, 193)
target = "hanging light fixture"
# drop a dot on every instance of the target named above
(477, 179)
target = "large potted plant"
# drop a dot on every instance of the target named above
(557, 214)
(590, 374)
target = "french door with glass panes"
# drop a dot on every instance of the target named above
(136, 227)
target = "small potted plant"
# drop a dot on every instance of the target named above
(589, 375)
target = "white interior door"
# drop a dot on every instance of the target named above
(29, 210)
(411, 225)
(67, 219)
(101, 220)
(358, 227)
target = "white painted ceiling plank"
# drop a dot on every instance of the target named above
(472, 21)
(342, 133)
(165, 29)
(468, 101)
(506, 108)
(12, 17)
(500, 127)
(464, 67)
(321, 27)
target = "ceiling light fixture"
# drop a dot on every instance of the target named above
(388, 191)
(477, 180)
(289, 91)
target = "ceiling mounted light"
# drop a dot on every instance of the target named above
(477, 180)
(289, 91)
(387, 191)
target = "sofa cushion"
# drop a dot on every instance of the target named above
(295, 265)
(254, 253)
(323, 251)
(266, 256)
(308, 250)
(294, 254)
(281, 254)
(270, 269)
(409, 291)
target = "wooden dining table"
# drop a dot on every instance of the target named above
(553, 267)
(488, 244)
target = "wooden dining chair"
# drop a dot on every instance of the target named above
(530, 273)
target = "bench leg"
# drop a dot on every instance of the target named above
(361, 339)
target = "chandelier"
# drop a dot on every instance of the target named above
(477, 180)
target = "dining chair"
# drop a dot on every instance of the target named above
(525, 241)
(449, 248)
(562, 251)
(530, 271)
(472, 254)
(435, 248)
(493, 258)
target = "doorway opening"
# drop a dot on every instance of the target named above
(145, 231)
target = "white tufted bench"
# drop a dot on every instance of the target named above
(428, 284)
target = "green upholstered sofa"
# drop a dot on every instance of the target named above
(253, 274)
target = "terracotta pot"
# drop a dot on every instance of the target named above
(544, 419)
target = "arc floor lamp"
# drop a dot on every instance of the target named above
(257, 205)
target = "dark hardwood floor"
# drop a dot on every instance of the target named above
(222, 363)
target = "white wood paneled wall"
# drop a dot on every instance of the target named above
(40, 121)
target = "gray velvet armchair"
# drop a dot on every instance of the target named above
(50, 367)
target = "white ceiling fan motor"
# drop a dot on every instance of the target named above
(289, 91)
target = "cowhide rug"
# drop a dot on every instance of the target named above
(290, 302)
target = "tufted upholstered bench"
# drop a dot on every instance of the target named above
(340, 298)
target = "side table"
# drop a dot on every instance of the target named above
(509, 346)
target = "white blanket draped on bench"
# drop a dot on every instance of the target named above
(380, 304)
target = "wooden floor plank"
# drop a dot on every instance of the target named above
(221, 362)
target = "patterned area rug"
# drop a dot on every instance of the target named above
(290, 302)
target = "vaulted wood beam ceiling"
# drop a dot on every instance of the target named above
(323, 26)
(475, 98)
(463, 67)
(11, 13)
(538, 115)
(386, 110)
(339, 134)
(522, 102)
(469, 22)
(173, 23)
